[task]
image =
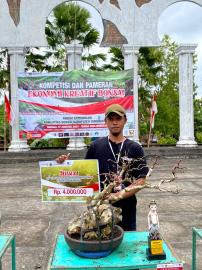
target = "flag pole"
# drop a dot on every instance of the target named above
(5, 142)
(150, 128)
(149, 136)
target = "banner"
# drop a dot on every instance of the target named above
(71, 181)
(170, 266)
(72, 104)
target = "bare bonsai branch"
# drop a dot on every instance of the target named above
(100, 214)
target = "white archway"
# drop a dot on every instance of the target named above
(135, 23)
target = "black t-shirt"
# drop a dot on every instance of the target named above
(100, 149)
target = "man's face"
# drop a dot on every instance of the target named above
(115, 123)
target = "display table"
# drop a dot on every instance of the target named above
(131, 254)
(6, 241)
(195, 232)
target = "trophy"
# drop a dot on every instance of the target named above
(155, 242)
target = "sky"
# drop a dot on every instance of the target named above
(181, 21)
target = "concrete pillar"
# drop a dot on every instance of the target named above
(74, 53)
(130, 54)
(17, 63)
(185, 53)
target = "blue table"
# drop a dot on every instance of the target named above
(195, 232)
(7, 241)
(131, 254)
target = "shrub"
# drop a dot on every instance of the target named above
(199, 137)
(46, 143)
(167, 140)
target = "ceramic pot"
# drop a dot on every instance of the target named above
(95, 248)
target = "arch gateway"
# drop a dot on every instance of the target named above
(130, 24)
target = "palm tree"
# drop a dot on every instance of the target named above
(69, 23)
(117, 60)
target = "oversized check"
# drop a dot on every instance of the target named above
(71, 181)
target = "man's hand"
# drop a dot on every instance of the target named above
(62, 158)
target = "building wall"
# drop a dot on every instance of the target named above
(22, 22)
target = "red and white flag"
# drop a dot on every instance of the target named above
(153, 111)
(8, 111)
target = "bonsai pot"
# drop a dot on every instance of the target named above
(95, 248)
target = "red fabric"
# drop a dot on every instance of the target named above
(94, 108)
(7, 109)
(153, 111)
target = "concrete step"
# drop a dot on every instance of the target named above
(49, 154)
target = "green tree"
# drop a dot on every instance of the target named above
(69, 23)
(150, 66)
(2, 126)
(158, 71)
(149, 61)
(4, 84)
(39, 61)
(4, 69)
(116, 60)
(198, 119)
(167, 119)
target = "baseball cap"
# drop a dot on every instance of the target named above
(115, 108)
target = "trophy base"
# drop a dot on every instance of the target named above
(151, 257)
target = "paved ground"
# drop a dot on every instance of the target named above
(36, 224)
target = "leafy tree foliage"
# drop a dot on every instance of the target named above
(2, 127)
(93, 60)
(116, 60)
(68, 24)
(198, 114)
(149, 61)
(167, 119)
(198, 119)
(150, 64)
(36, 61)
(4, 72)
(158, 72)
(4, 84)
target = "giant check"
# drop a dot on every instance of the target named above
(71, 181)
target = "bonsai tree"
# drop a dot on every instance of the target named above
(98, 221)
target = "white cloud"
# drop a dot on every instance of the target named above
(182, 21)
(182, 18)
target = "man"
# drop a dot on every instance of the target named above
(109, 151)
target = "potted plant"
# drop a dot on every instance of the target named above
(95, 232)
